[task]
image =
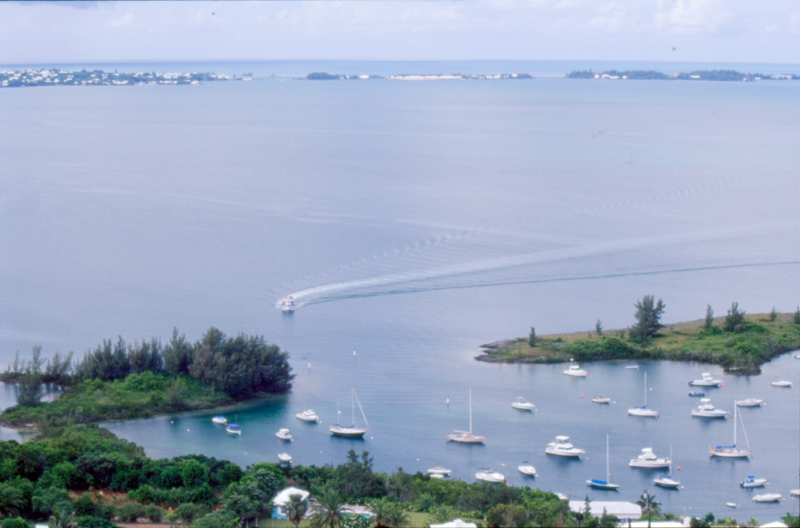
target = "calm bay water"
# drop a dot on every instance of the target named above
(417, 221)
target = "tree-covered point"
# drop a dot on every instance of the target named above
(696, 75)
(739, 342)
(126, 380)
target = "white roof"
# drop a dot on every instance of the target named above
(455, 523)
(654, 524)
(776, 524)
(623, 510)
(283, 497)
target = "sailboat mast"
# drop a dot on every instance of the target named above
(735, 407)
(470, 412)
(645, 389)
(353, 404)
(608, 461)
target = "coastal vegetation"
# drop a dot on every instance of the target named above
(119, 380)
(696, 75)
(61, 77)
(739, 342)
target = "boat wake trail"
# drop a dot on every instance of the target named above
(346, 289)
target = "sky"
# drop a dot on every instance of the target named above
(720, 31)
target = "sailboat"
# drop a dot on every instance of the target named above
(233, 428)
(732, 451)
(463, 436)
(666, 481)
(352, 431)
(643, 410)
(604, 484)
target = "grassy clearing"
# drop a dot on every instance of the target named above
(742, 351)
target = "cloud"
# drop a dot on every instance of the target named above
(692, 16)
(124, 20)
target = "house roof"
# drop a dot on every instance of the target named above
(283, 496)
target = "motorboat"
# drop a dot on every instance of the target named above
(444, 472)
(285, 457)
(632, 367)
(732, 451)
(437, 476)
(601, 399)
(219, 420)
(795, 493)
(575, 370)
(706, 410)
(666, 481)
(604, 484)
(234, 429)
(749, 402)
(527, 469)
(562, 447)
(523, 405)
(464, 437)
(697, 394)
(767, 497)
(781, 383)
(731, 505)
(308, 416)
(643, 410)
(283, 434)
(352, 431)
(752, 482)
(487, 475)
(707, 381)
(649, 460)
(287, 303)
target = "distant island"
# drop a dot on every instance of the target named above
(697, 75)
(57, 76)
(740, 343)
(323, 76)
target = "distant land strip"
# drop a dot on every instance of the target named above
(61, 77)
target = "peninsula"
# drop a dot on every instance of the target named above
(753, 341)
(61, 77)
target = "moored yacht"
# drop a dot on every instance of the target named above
(601, 399)
(284, 434)
(562, 447)
(285, 457)
(706, 410)
(781, 383)
(732, 451)
(752, 482)
(219, 420)
(648, 459)
(666, 481)
(351, 431)
(527, 469)
(487, 475)
(767, 497)
(575, 370)
(466, 437)
(438, 470)
(308, 416)
(643, 410)
(234, 429)
(287, 303)
(523, 405)
(749, 402)
(707, 381)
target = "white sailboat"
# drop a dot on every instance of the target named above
(732, 451)
(352, 431)
(643, 410)
(666, 481)
(465, 437)
(604, 484)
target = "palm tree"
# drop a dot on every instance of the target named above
(63, 520)
(441, 515)
(295, 509)
(329, 510)
(381, 509)
(649, 504)
(10, 501)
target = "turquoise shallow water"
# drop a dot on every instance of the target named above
(420, 220)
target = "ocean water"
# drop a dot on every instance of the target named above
(416, 221)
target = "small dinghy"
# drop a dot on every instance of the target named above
(601, 399)
(527, 469)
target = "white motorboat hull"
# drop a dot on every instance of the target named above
(795, 492)
(523, 406)
(667, 483)
(439, 471)
(767, 497)
(650, 464)
(599, 399)
(564, 452)
(347, 432)
(284, 434)
(749, 403)
(236, 432)
(283, 457)
(307, 416)
(716, 413)
(493, 477)
(219, 420)
(701, 383)
(437, 476)
(527, 470)
(576, 373)
(756, 483)
(782, 383)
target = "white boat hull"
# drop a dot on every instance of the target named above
(667, 483)
(730, 453)
(756, 483)
(781, 383)
(716, 413)
(646, 413)
(439, 471)
(465, 438)
(576, 373)
(599, 484)
(749, 403)
(219, 420)
(347, 432)
(574, 452)
(493, 477)
(527, 470)
(284, 457)
(308, 416)
(600, 399)
(523, 406)
(767, 497)
(650, 464)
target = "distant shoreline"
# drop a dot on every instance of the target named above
(61, 77)
(741, 352)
